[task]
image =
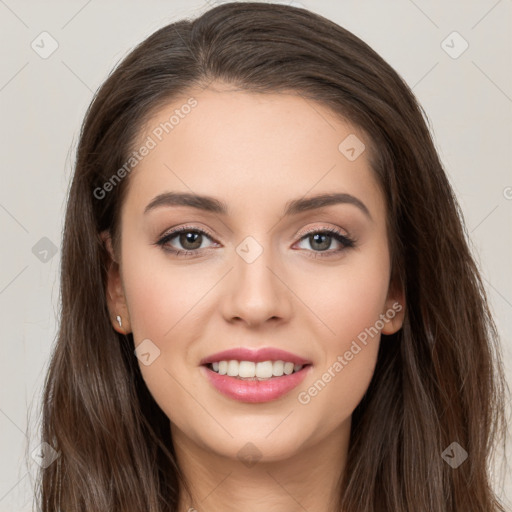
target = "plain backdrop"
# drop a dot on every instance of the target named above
(462, 80)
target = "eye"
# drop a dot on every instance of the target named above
(190, 239)
(321, 240)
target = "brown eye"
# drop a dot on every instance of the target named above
(189, 241)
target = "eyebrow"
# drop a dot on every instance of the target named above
(294, 207)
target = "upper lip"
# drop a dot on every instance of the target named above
(262, 354)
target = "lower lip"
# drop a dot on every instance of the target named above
(255, 391)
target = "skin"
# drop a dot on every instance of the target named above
(255, 152)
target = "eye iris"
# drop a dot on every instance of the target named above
(192, 238)
(326, 242)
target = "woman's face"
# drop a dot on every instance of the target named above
(267, 267)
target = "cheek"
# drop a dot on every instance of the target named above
(159, 295)
(166, 303)
(350, 306)
(344, 374)
(348, 299)
(162, 301)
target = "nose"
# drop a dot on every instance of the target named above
(257, 291)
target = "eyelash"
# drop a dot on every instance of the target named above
(344, 240)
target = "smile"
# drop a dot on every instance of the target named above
(246, 381)
(252, 370)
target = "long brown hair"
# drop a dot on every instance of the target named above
(438, 380)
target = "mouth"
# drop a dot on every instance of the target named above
(251, 382)
(255, 371)
(249, 375)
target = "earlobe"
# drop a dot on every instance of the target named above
(115, 296)
(395, 310)
(395, 318)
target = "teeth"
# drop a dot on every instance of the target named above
(288, 368)
(277, 368)
(246, 369)
(233, 367)
(251, 370)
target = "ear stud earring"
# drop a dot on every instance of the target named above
(118, 318)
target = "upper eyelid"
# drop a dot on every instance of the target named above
(182, 229)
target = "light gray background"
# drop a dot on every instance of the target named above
(467, 99)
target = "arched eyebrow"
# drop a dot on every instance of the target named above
(322, 200)
(294, 207)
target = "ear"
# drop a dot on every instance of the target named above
(394, 308)
(116, 300)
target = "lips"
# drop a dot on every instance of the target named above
(255, 390)
(263, 354)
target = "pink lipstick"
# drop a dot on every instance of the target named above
(270, 383)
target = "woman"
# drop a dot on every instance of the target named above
(268, 300)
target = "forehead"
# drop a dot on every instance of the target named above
(252, 150)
